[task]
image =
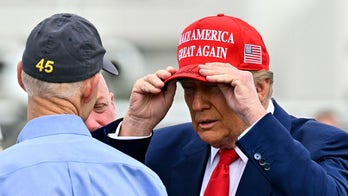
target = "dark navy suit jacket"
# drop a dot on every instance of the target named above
(287, 156)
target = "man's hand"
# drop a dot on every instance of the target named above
(238, 88)
(149, 103)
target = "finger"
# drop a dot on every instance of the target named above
(209, 71)
(224, 88)
(218, 64)
(217, 68)
(164, 74)
(223, 78)
(148, 84)
(171, 70)
(149, 88)
(170, 89)
(154, 83)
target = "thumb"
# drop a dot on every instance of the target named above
(224, 88)
(169, 91)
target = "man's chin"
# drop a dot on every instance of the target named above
(211, 137)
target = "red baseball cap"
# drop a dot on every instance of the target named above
(223, 39)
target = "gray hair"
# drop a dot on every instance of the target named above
(35, 87)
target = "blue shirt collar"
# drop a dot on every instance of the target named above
(52, 125)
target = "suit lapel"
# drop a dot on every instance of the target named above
(195, 156)
(281, 115)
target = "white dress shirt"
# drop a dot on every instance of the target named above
(236, 168)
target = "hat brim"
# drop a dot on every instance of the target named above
(188, 71)
(109, 67)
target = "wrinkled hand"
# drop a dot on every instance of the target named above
(238, 88)
(149, 103)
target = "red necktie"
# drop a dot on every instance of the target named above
(219, 182)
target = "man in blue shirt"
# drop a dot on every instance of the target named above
(55, 153)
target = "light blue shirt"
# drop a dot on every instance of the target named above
(56, 155)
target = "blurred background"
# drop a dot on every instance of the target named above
(307, 42)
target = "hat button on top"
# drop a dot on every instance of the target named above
(221, 14)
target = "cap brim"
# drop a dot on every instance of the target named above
(188, 71)
(109, 67)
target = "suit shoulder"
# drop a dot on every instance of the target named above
(183, 128)
(180, 133)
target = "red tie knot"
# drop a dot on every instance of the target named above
(227, 156)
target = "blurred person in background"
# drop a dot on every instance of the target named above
(104, 110)
(55, 153)
(328, 117)
(236, 128)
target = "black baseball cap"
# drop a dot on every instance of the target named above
(65, 48)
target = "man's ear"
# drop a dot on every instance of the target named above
(263, 88)
(19, 75)
(90, 88)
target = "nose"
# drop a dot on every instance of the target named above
(199, 101)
